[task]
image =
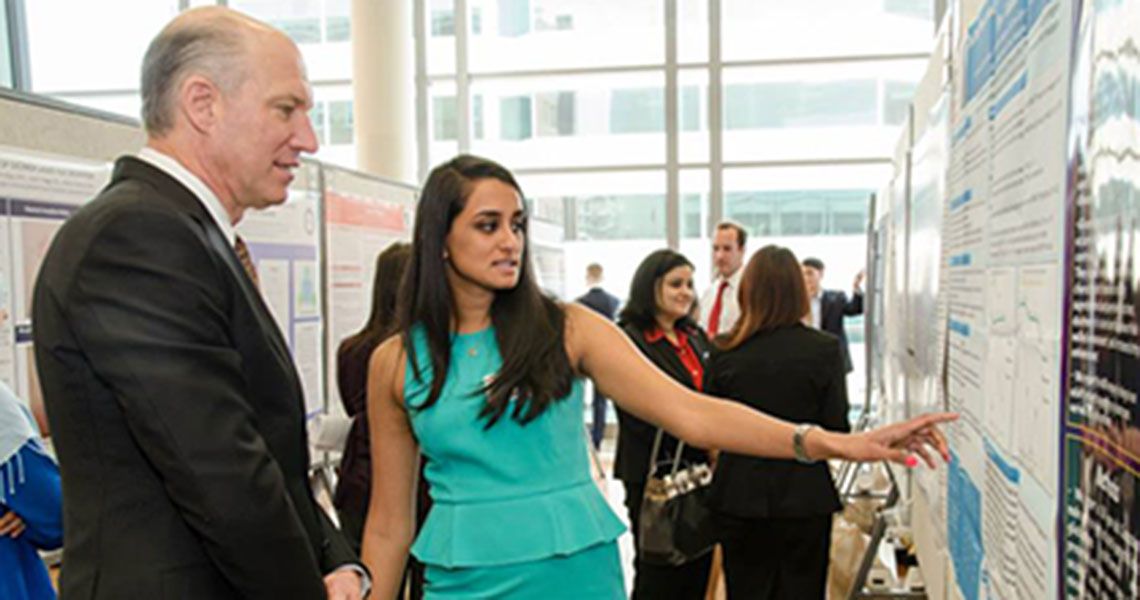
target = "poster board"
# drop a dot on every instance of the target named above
(987, 158)
(1100, 551)
(38, 192)
(895, 359)
(927, 306)
(363, 216)
(1005, 217)
(285, 245)
(55, 156)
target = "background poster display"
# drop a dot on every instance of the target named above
(363, 216)
(37, 193)
(926, 305)
(284, 243)
(1101, 524)
(56, 158)
(895, 275)
(1003, 236)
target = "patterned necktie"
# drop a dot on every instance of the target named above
(246, 261)
(714, 315)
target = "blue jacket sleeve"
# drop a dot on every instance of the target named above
(32, 491)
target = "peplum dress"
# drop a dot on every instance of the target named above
(515, 512)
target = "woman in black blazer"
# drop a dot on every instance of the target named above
(656, 318)
(775, 515)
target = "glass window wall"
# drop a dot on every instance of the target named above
(539, 35)
(825, 28)
(827, 111)
(104, 63)
(6, 78)
(570, 120)
(612, 218)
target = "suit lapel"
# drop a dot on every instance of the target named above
(670, 363)
(265, 320)
(661, 354)
(187, 203)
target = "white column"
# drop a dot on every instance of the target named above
(383, 87)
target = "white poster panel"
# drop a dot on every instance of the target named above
(284, 243)
(1004, 233)
(362, 221)
(37, 193)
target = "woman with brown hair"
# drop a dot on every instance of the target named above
(775, 515)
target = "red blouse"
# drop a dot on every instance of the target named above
(684, 352)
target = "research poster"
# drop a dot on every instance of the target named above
(927, 306)
(284, 243)
(1004, 252)
(895, 298)
(37, 193)
(927, 198)
(1101, 523)
(924, 317)
(876, 291)
(363, 217)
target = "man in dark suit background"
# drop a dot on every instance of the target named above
(176, 411)
(605, 304)
(828, 307)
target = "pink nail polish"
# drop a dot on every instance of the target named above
(911, 462)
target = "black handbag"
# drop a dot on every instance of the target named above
(675, 524)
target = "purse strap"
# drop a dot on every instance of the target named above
(595, 460)
(657, 448)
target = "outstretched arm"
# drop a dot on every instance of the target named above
(389, 529)
(599, 350)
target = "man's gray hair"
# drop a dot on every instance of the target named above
(212, 48)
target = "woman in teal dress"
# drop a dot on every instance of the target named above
(515, 513)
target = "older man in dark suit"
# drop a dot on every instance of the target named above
(605, 304)
(828, 307)
(175, 408)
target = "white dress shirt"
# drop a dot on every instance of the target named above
(214, 207)
(817, 309)
(201, 191)
(729, 309)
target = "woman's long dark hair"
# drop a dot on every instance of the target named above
(390, 267)
(641, 308)
(528, 325)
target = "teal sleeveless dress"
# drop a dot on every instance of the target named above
(515, 512)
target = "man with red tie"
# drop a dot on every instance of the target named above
(719, 307)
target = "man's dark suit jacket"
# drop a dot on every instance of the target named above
(793, 373)
(833, 306)
(635, 437)
(601, 302)
(175, 408)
